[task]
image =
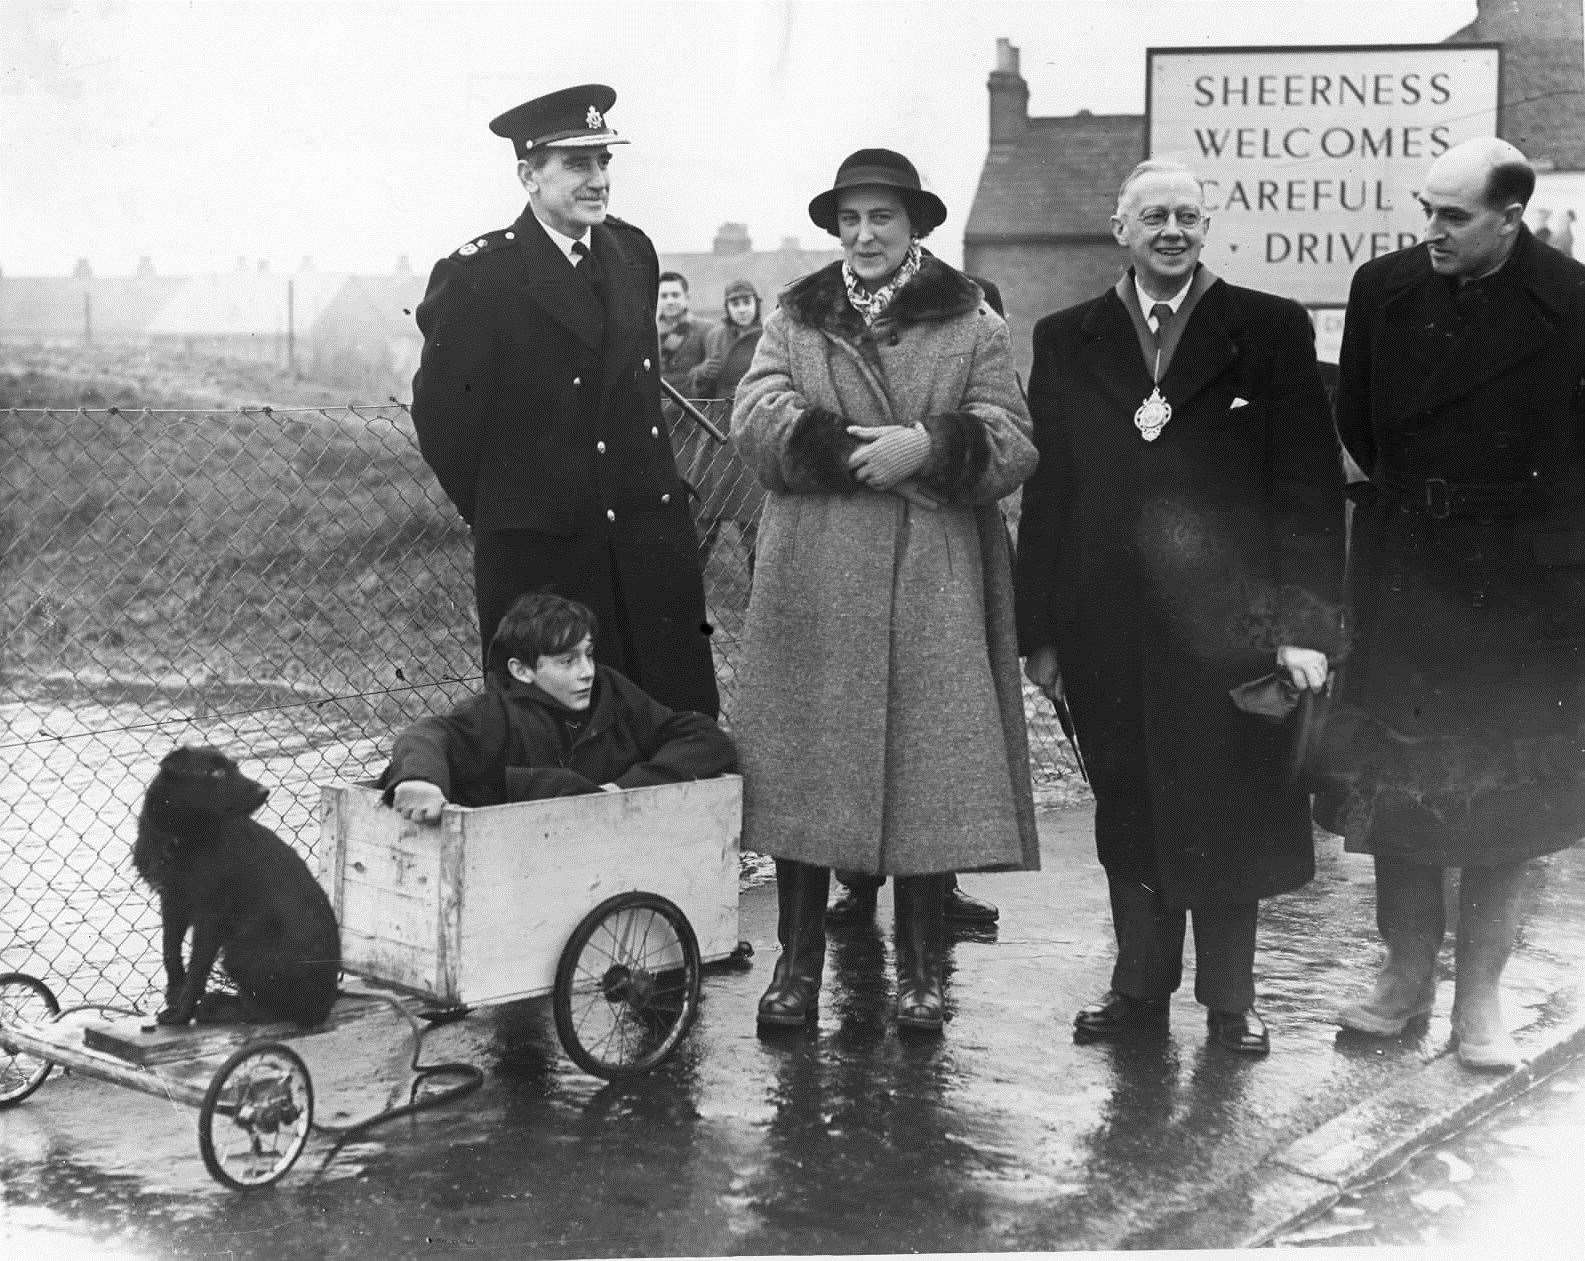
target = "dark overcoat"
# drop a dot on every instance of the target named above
(537, 404)
(1167, 572)
(1459, 731)
(879, 711)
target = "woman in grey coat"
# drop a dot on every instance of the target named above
(880, 715)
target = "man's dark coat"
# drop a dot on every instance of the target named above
(1167, 572)
(1459, 731)
(512, 742)
(537, 404)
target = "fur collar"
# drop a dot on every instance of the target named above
(937, 292)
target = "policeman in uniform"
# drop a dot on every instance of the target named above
(537, 405)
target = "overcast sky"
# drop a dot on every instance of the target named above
(354, 131)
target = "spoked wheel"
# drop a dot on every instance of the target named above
(627, 987)
(23, 1000)
(256, 1116)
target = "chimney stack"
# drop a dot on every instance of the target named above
(1009, 96)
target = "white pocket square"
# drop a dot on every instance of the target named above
(1238, 402)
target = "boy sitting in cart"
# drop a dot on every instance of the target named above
(549, 723)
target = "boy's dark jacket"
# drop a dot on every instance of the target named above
(512, 742)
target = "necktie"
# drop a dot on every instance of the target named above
(1161, 313)
(588, 266)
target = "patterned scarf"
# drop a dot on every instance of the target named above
(872, 305)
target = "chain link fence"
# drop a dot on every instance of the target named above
(289, 585)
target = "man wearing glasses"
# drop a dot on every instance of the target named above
(1183, 535)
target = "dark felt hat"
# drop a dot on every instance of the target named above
(888, 169)
(568, 119)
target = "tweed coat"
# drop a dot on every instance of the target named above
(1458, 736)
(537, 405)
(879, 716)
(1167, 572)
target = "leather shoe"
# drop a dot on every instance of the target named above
(962, 909)
(1241, 1031)
(1119, 1016)
(854, 906)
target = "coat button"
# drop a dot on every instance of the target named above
(610, 514)
(646, 365)
(665, 499)
(893, 340)
(577, 380)
(654, 431)
(600, 447)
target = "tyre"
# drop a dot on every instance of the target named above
(256, 1116)
(627, 985)
(24, 1000)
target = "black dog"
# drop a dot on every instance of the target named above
(245, 893)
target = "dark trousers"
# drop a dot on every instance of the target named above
(1150, 948)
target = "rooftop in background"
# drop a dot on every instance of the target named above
(734, 258)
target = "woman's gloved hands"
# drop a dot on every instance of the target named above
(888, 454)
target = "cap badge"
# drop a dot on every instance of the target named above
(594, 119)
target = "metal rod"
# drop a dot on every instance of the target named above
(694, 414)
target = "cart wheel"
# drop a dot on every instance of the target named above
(627, 986)
(25, 1000)
(256, 1116)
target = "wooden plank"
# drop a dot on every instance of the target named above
(138, 1040)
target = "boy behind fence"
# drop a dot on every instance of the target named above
(549, 723)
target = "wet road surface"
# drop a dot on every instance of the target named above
(846, 1138)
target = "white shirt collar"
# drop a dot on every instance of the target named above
(564, 243)
(1146, 301)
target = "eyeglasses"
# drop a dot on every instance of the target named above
(1188, 217)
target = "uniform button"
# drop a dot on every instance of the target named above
(646, 365)
(610, 514)
(665, 499)
(600, 447)
(654, 431)
(511, 236)
(577, 380)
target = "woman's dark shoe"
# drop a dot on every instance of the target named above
(920, 941)
(789, 1002)
(1119, 1016)
(963, 909)
(792, 998)
(856, 905)
(1241, 1031)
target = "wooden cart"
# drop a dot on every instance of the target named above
(609, 903)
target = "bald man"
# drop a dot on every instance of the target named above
(1460, 394)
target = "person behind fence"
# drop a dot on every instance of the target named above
(727, 492)
(729, 346)
(551, 722)
(537, 405)
(880, 715)
(682, 336)
(1182, 536)
(1457, 725)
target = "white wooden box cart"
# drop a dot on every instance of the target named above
(609, 903)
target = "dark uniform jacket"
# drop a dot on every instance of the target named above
(1457, 734)
(512, 742)
(537, 405)
(1167, 572)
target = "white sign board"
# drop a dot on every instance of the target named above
(1311, 157)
